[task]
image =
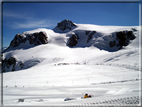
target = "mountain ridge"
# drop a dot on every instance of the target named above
(65, 34)
(41, 37)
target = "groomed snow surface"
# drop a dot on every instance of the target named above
(59, 72)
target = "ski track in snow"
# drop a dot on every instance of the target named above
(118, 56)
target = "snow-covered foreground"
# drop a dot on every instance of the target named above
(110, 76)
(55, 95)
(54, 72)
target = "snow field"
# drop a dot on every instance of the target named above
(64, 75)
(62, 82)
(60, 72)
(55, 95)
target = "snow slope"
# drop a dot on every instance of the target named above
(55, 71)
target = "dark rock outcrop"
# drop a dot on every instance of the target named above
(18, 39)
(130, 35)
(87, 32)
(12, 60)
(12, 64)
(123, 38)
(90, 35)
(9, 64)
(65, 24)
(35, 39)
(38, 38)
(21, 65)
(112, 43)
(134, 29)
(72, 40)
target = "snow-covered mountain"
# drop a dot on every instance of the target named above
(71, 60)
(21, 52)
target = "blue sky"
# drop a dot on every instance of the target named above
(21, 17)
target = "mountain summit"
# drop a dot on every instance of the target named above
(64, 26)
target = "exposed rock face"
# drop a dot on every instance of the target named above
(90, 35)
(72, 40)
(134, 29)
(87, 32)
(12, 64)
(112, 43)
(130, 35)
(9, 64)
(11, 61)
(38, 38)
(21, 64)
(65, 24)
(123, 38)
(19, 38)
(35, 38)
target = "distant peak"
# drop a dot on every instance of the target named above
(65, 25)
